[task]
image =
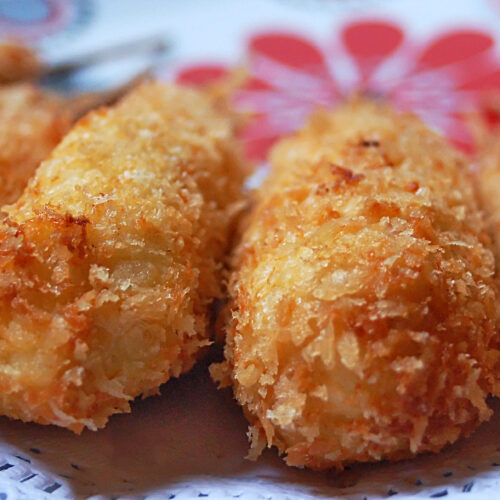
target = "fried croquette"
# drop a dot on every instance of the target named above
(17, 62)
(32, 123)
(363, 323)
(110, 259)
(488, 181)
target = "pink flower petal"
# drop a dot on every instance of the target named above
(202, 74)
(255, 84)
(370, 42)
(484, 82)
(454, 47)
(292, 65)
(368, 39)
(289, 50)
(491, 117)
(257, 149)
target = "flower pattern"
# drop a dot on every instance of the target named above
(442, 79)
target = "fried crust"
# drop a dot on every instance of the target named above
(111, 257)
(363, 321)
(488, 181)
(32, 123)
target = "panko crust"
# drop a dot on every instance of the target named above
(31, 124)
(363, 321)
(111, 258)
(488, 182)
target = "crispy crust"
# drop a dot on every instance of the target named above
(110, 259)
(31, 124)
(363, 298)
(488, 177)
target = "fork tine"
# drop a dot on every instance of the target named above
(81, 103)
(150, 45)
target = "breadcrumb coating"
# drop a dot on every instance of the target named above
(363, 321)
(32, 123)
(17, 62)
(488, 181)
(111, 258)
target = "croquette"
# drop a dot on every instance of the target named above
(111, 258)
(32, 123)
(362, 320)
(488, 182)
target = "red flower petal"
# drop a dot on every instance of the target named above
(372, 38)
(257, 149)
(491, 117)
(202, 74)
(264, 130)
(369, 42)
(454, 47)
(289, 50)
(255, 84)
(484, 82)
(293, 65)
